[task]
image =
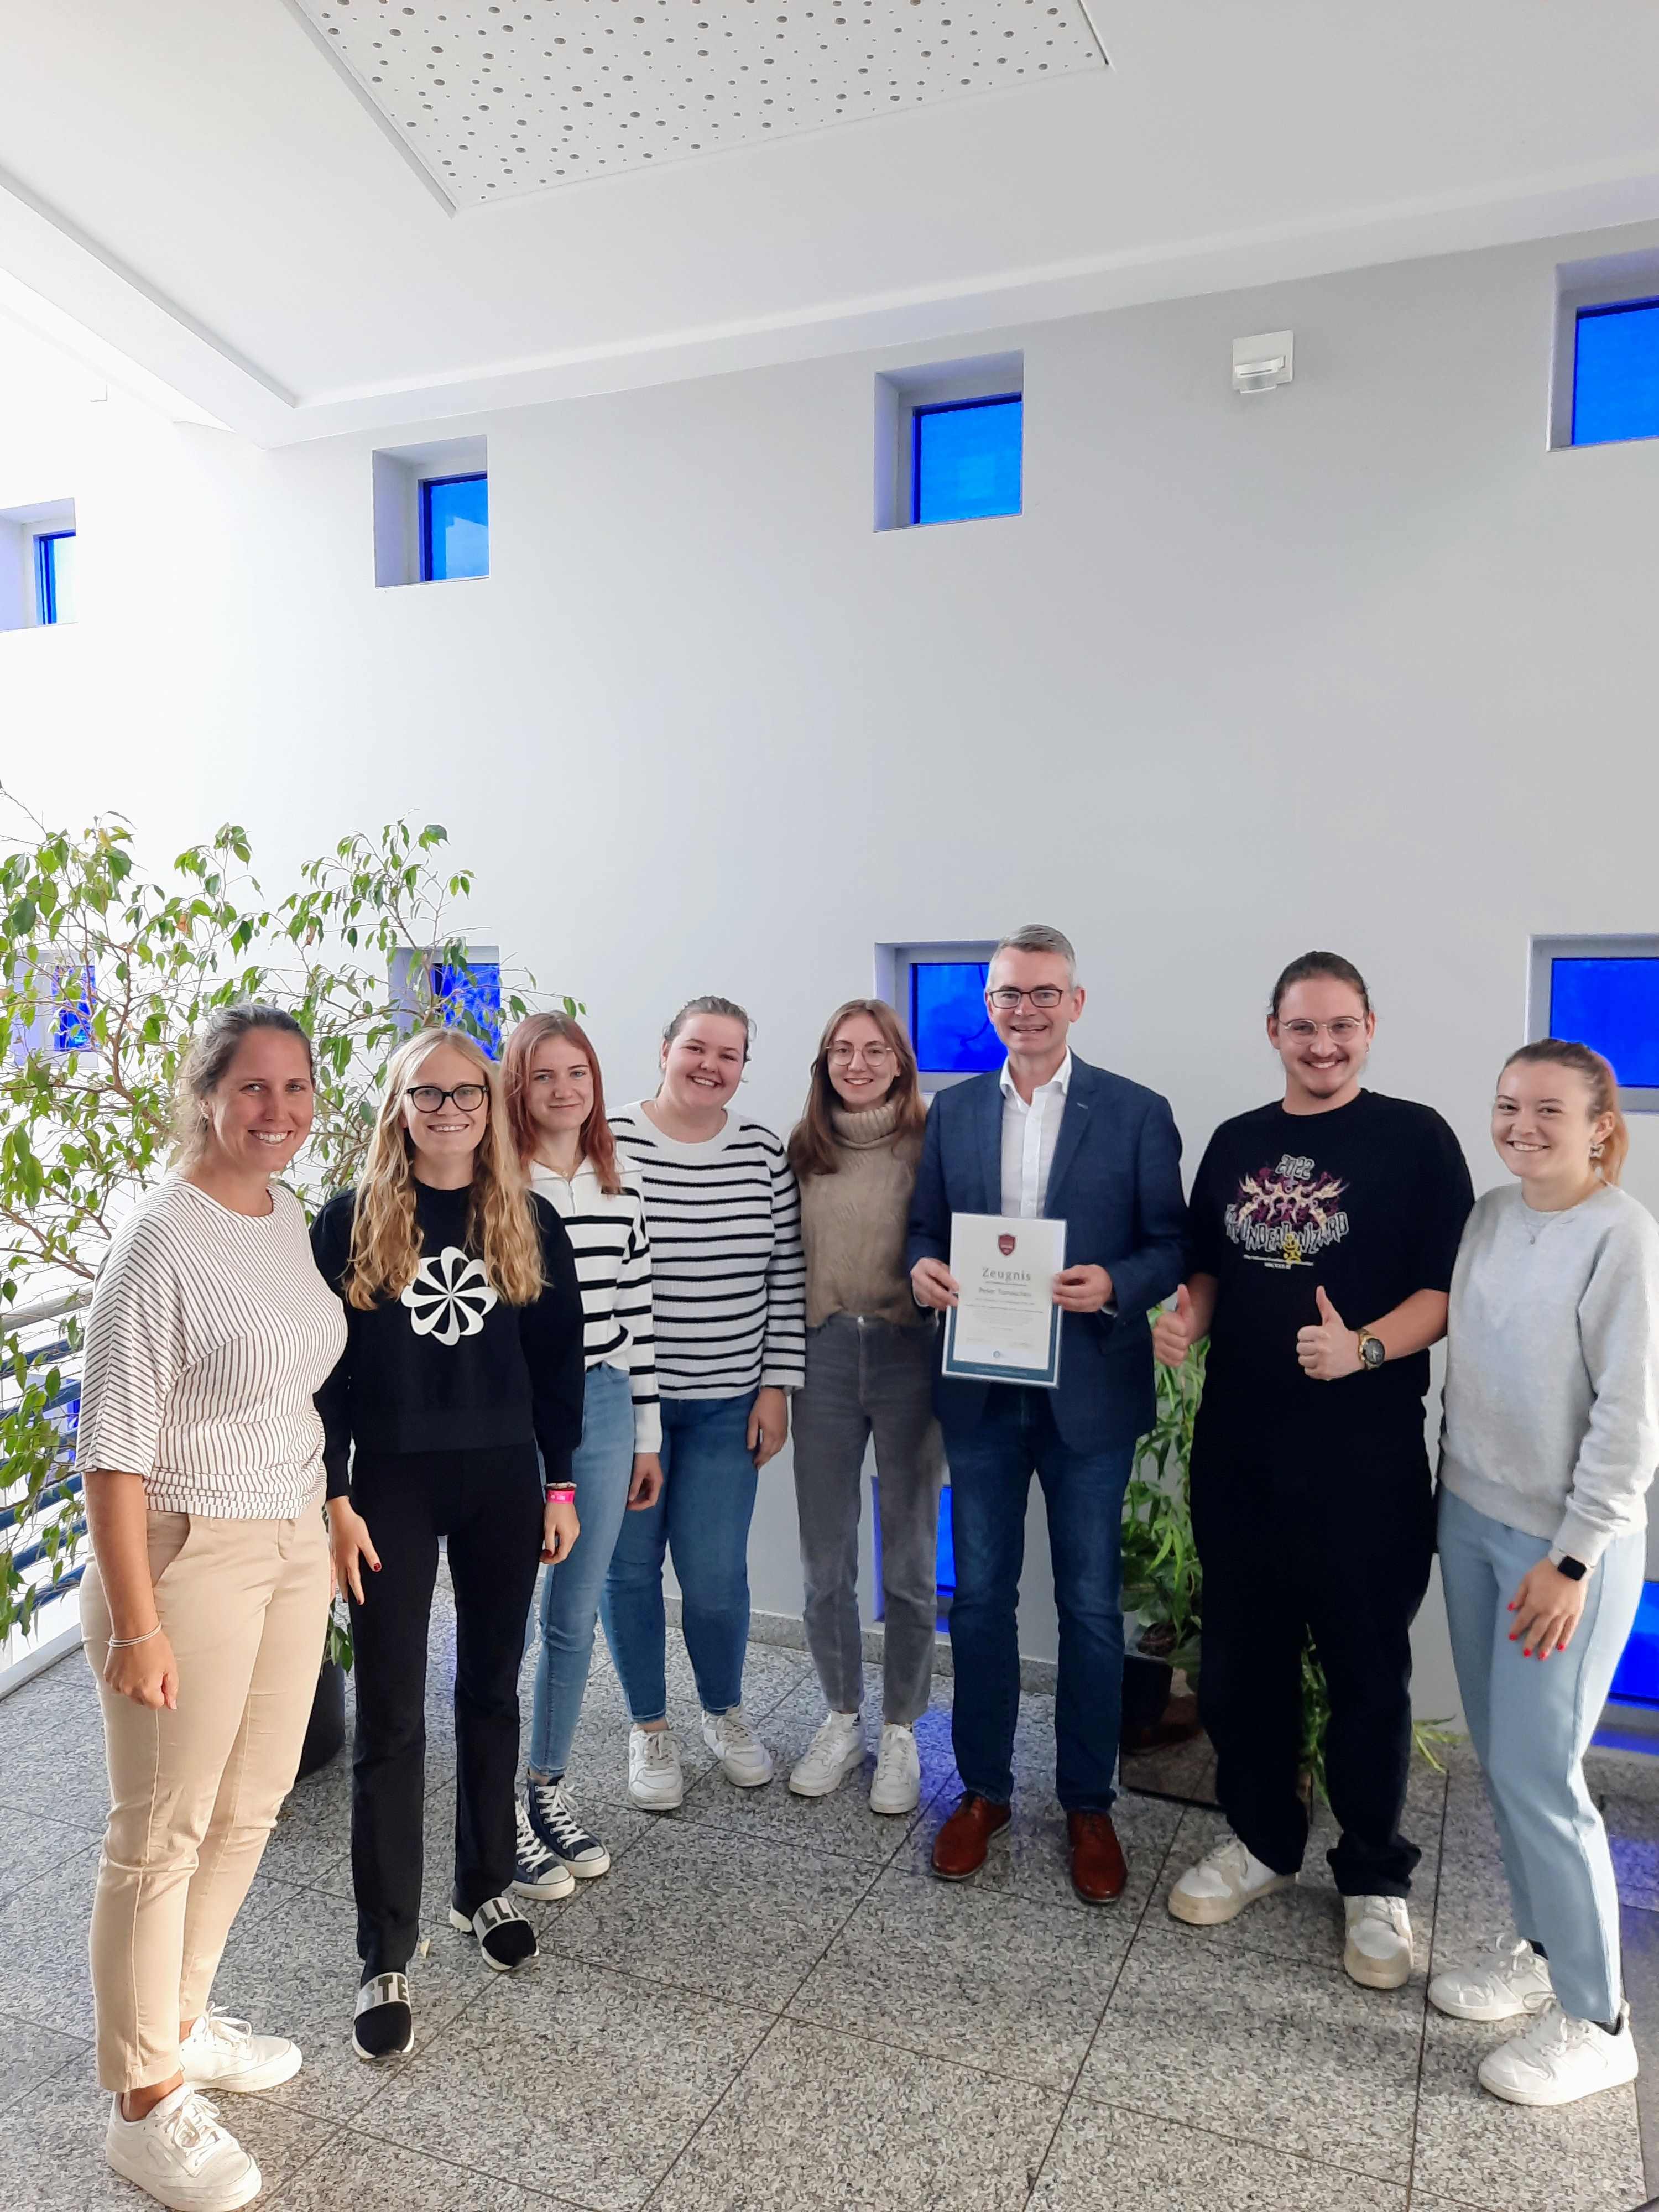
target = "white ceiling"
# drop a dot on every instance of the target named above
(496, 101)
(200, 188)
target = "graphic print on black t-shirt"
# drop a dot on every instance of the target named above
(449, 1297)
(1366, 1202)
(1286, 1215)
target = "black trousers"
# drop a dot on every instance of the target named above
(488, 1506)
(1332, 1534)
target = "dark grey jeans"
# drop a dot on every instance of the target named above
(868, 1378)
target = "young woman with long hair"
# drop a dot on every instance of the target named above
(727, 1287)
(1550, 1438)
(204, 1608)
(869, 1371)
(463, 1354)
(555, 1104)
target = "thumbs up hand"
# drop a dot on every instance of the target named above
(1173, 1332)
(1330, 1349)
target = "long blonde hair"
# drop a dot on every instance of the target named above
(386, 1241)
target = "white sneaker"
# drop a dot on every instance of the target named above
(897, 1785)
(1510, 1978)
(1222, 1884)
(744, 1760)
(1558, 2059)
(181, 2155)
(654, 1780)
(1377, 1954)
(223, 2053)
(834, 1752)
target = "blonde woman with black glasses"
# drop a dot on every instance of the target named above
(463, 1354)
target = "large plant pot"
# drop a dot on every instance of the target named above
(1146, 1685)
(326, 1731)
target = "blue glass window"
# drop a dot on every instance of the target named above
(965, 460)
(1615, 376)
(471, 997)
(54, 575)
(949, 1026)
(1638, 1679)
(1612, 1005)
(76, 997)
(454, 527)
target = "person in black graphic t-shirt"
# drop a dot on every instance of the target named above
(1321, 1233)
(464, 1353)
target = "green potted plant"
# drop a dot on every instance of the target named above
(1162, 1583)
(105, 972)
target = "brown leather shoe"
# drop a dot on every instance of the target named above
(1098, 1873)
(960, 1846)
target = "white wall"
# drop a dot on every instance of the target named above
(1355, 664)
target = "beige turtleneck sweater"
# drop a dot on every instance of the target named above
(853, 1222)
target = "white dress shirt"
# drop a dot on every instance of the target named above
(1029, 1134)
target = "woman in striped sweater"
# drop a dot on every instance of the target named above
(555, 1101)
(728, 1292)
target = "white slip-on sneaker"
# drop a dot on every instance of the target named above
(1558, 2059)
(180, 2155)
(654, 1780)
(1377, 1954)
(1224, 1881)
(836, 1752)
(1508, 1979)
(536, 1871)
(744, 1760)
(220, 2052)
(897, 1785)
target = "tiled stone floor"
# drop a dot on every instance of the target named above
(769, 2006)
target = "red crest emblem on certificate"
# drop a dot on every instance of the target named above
(1004, 1245)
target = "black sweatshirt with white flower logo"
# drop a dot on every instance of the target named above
(450, 1366)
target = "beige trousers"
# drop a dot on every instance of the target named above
(193, 1793)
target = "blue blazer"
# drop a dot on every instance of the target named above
(1116, 1183)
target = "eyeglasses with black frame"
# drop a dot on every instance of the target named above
(426, 1098)
(1006, 1000)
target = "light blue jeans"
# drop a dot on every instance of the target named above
(707, 1505)
(602, 1469)
(1531, 1723)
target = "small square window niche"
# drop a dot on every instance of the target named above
(938, 993)
(1602, 992)
(432, 512)
(457, 985)
(1615, 379)
(950, 441)
(38, 565)
(64, 994)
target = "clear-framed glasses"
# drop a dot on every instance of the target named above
(1005, 999)
(873, 1055)
(426, 1098)
(1343, 1030)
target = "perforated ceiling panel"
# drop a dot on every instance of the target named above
(499, 100)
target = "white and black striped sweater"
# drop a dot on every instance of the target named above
(612, 1246)
(728, 1280)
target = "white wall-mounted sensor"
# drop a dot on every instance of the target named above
(1260, 363)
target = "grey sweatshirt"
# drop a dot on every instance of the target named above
(1552, 1399)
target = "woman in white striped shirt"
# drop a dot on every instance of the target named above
(203, 1612)
(728, 1294)
(555, 1101)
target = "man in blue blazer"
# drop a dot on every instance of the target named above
(1048, 1135)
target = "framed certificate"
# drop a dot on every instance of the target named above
(1006, 1325)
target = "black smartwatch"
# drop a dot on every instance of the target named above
(1574, 1570)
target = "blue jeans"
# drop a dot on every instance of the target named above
(991, 1465)
(602, 1470)
(1531, 1723)
(707, 1503)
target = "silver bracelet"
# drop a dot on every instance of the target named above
(126, 1642)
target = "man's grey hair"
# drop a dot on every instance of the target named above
(1037, 936)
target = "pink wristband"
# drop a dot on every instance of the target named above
(562, 1493)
